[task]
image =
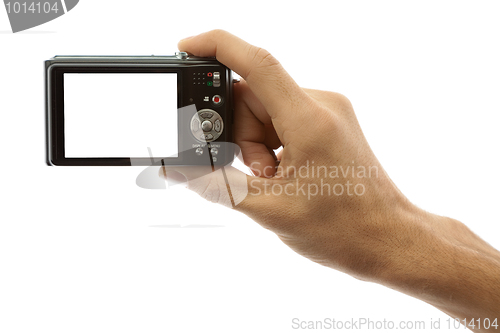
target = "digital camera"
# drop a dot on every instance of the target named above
(138, 110)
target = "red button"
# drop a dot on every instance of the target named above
(216, 99)
(209, 74)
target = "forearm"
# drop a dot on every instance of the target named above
(450, 268)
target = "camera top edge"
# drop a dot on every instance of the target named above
(179, 58)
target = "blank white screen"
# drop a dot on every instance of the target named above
(120, 114)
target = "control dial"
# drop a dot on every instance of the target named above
(206, 125)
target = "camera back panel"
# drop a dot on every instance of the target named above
(169, 110)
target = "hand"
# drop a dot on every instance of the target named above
(329, 198)
(347, 226)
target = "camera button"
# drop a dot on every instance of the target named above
(217, 99)
(216, 78)
(206, 126)
(199, 151)
(181, 55)
(214, 151)
(195, 125)
(206, 115)
(217, 126)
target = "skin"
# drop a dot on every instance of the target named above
(376, 236)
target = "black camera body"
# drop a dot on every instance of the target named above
(138, 110)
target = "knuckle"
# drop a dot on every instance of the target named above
(264, 58)
(339, 101)
(261, 60)
(343, 101)
(332, 101)
(218, 33)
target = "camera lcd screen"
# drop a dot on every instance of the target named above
(120, 115)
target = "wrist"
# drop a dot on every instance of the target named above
(446, 265)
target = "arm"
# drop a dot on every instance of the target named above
(453, 269)
(330, 199)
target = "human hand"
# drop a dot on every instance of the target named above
(346, 226)
(329, 198)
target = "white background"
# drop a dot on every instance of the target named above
(84, 250)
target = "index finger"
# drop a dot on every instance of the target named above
(265, 76)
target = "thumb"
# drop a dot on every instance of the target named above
(227, 185)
